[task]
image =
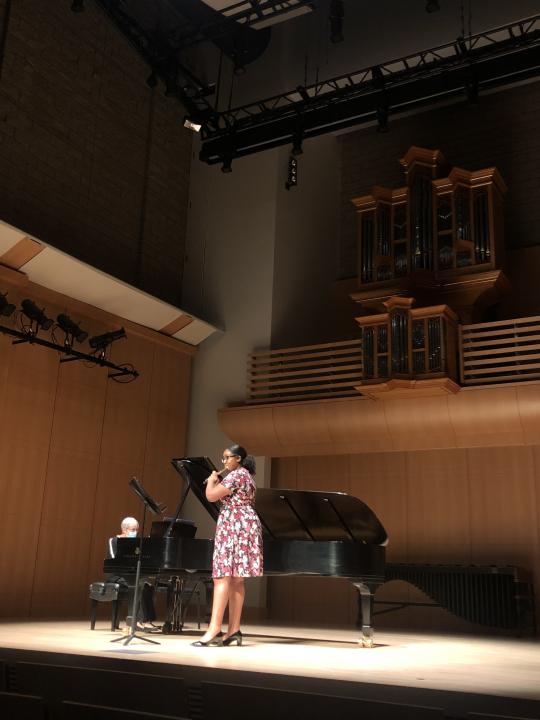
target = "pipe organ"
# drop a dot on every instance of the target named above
(431, 253)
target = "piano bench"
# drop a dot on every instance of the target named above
(105, 591)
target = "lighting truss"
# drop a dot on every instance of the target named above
(22, 337)
(259, 13)
(486, 60)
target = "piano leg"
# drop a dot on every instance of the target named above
(366, 593)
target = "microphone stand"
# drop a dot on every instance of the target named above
(148, 502)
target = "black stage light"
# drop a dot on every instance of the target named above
(461, 48)
(77, 6)
(377, 76)
(6, 308)
(100, 342)
(432, 6)
(32, 312)
(471, 90)
(297, 144)
(337, 13)
(292, 173)
(303, 93)
(227, 164)
(66, 324)
(382, 119)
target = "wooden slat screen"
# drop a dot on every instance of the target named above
(502, 351)
(310, 372)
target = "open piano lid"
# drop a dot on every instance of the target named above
(296, 514)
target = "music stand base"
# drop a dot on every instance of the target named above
(134, 636)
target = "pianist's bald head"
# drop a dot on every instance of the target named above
(129, 524)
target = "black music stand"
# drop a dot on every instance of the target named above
(155, 508)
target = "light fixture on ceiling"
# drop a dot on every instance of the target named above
(432, 6)
(382, 119)
(77, 6)
(303, 93)
(192, 123)
(101, 342)
(6, 308)
(227, 164)
(337, 13)
(72, 330)
(32, 312)
(298, 139)
(292, 173)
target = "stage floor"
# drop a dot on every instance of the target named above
(501, 667)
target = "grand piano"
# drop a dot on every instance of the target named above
(328, 534)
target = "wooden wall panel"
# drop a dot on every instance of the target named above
(27, 410)
(65, 533)
(284, 473)
(21, 483)
(71, 441)
(504, 521)
(438, 507)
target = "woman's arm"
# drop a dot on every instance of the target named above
(214, 489)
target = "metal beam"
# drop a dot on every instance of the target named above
(467, 66)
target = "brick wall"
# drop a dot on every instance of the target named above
(93, 161)
(501, 131)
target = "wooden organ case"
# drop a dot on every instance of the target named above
(431, 254)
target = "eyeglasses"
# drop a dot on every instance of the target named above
(227, 457)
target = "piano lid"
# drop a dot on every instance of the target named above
(296, 514)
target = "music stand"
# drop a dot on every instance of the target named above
(155, 508)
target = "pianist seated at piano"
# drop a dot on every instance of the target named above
(129, 527)
(238, 543)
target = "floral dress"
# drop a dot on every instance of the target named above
(238, 545)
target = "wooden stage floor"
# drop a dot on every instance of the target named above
(500, 670)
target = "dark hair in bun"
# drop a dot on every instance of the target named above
(246, 461)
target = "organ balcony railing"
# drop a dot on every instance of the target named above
(402, 352)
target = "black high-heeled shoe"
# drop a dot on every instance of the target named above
(215, 641)
(234, 638)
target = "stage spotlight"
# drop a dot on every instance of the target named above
(66, 324)
(6, 308)
(377, 76)
(297, 144)
(32, 312)
(461, 48)
(152, 79)
(192, 123)
(337, 13)
(227, 164)
(432, 6)
(303, 93)
(100, 342)
(471, 90)
(292, 173)
(382, 119)
(77, 6)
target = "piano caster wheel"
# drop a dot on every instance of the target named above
(366, 642)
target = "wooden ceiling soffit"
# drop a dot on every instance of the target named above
(176, 325)
(474, 417)
(21, 253)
